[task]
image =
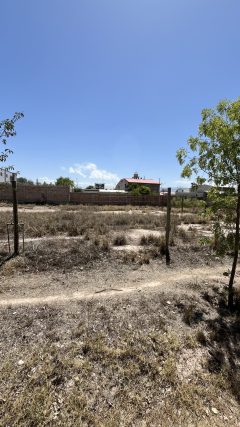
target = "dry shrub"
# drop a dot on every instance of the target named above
(150, 239)
(201, 337)
(120, 240)
(191, 314)
(157, 245)
(105, 245)
(188, 314)
(129, 256)
(144, 259)
(183, 234)
(14, 265)
(194, 219)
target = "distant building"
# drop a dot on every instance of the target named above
(125, 183)
(5, 176)
(199, 191)
(99, 186)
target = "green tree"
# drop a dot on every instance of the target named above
(23, 180)
(139, 189)
(214, 156)
(64, 181)
(7, 130)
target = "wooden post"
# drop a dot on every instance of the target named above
(182, 206)
(15, 214)
(168, 226)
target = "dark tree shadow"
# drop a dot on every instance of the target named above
(224, 345)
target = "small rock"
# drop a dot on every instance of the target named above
(20, 362)
(169, 302)
(214, 410)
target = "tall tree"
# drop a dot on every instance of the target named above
(65, 181)
(7, 130)
(214, 156)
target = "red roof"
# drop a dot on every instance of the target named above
(141, 181)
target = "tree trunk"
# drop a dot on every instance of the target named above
(168, 226)
(236, 249)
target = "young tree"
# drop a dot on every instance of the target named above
(65, 181)
(214, 156)
(7, 129)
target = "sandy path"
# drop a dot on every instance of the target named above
(46, 238)
(168, 281)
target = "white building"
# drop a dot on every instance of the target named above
(5, 176)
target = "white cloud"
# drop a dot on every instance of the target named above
(77, 170)
(46, 179)
(91, 172)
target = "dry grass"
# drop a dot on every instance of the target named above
(106, 364)
(195, 219)
(139, 361)
(78, 222)
(57, 255)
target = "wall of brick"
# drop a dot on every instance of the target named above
(36, 193)
(61, 194)
(117, 199)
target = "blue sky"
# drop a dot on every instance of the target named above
(113, 86)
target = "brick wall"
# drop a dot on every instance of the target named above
(117, 199)
(36, 193)
(61, 194)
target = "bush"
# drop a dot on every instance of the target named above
(120, 240)
(150, 239)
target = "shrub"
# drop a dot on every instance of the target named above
(201, 337)
(150, 239)
(120, 240)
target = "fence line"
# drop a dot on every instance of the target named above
(43, 194)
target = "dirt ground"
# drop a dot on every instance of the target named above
(96, 334)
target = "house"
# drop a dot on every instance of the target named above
(126, 183)
(5, 176)
(199, 191)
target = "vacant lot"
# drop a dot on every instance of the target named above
(97, 331)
